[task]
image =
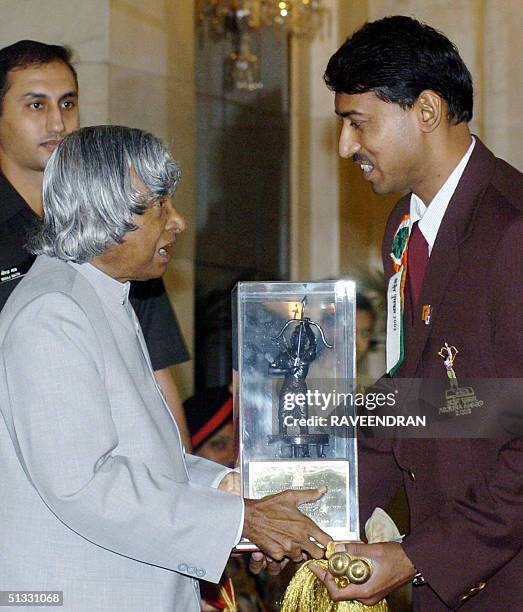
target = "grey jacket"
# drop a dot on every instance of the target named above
(99, 499)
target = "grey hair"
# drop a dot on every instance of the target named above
(88, 193)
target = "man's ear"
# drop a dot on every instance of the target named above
(430, 110)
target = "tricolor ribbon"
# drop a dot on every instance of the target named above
(395, 330)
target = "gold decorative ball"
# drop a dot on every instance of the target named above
(339, 564)
(359, 571)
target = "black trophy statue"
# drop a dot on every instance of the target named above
(293, 362)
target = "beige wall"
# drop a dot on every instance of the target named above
(151, 86)
(135, 65)
(84, 26)
(503, 79)
(315, 223)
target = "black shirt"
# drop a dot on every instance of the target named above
(149, 298)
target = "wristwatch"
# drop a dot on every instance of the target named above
(418, 579)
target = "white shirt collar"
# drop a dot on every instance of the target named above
(430, 216)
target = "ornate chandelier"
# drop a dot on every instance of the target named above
(237, 19)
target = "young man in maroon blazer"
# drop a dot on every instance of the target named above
(453, 261)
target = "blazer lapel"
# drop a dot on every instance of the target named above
(444, 260)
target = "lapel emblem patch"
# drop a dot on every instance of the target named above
(459, 401)
(426, 313)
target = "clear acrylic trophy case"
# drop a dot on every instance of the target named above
(295, 361)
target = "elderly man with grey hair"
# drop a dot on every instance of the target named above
(99, 499)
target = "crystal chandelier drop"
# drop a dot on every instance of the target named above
(235, 20)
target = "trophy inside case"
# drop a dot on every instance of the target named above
(293, 391)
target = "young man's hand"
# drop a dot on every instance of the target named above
(390, 569)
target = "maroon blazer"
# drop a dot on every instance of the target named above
(465, 495)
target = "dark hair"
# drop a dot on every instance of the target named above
(26, 53)
(363, 303)
(397, 58)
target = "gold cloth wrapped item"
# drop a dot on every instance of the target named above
(306, 593)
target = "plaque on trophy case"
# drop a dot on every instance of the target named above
(293, 392)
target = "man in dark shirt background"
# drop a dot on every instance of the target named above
(38, 107)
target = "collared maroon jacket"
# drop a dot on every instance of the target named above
(465, 495)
